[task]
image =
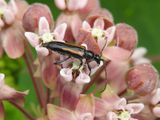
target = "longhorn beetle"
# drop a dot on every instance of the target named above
(73, 51)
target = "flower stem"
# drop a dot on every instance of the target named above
(95, 76)
(22, 110)
(33, 79)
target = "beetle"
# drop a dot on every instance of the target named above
(73, 51)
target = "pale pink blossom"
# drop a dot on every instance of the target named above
(138, 56)
(71, 5)
(8, 12)
(83, 111)
(45, 35)
(10, 94)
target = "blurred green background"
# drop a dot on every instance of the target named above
(141, 14)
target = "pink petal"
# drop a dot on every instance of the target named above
(72, 5)
(43, 26)
(12, 5)
(117, 79)
(66, 73)
(1, 79)
(101, 107)
(83, 78)
(120, 104)
(60, 4)
(59, 113)
(13, 44)
(8, 93)
(109, 95)
(8, 16)
(32, 38)
(75, 25)
(138, 53)
(85, 116)
(112, 116)
(86, 104)
(86, 25)
(82, 3)
(116, 53)
(156, 97)
(42, 51)
(156, 111)
(49, 72)
(1, 111)
(99, 23)
(60, 31)
(70, 94)
(110, 33)
(135, 108)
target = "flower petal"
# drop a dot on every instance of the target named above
(42, 51)
(70, 94)
(12, 5)
(86, 25)
(116, 53)
(101, 107)
(60, 4)
(156, 111)
(8, 16)
(110, 33)
(85, 116)
(59, 113)
(156, 97)
(32, 38)
(120, 104)
(86, 104)
(13, 43)
(66, 73)
(135, 108)
(138, 53)
(112, 116)
(60, 31)
(82, 3)
(83, 78)
(43, 26)
(1, 79)
(99, 23)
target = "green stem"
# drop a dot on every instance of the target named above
(22, 110)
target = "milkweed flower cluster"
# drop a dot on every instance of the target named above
(120, 83)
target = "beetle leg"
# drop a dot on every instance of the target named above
(61, 61)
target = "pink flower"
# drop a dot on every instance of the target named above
(104, 41)
(71, 5)
(115, 108)
(142, 78)
(7, 12)
(83, 111)
(10, 94)
(45, 35)
(138, 56)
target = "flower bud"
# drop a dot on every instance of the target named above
(142, 79)
(32, 15)
(101, 13)
(126, 36)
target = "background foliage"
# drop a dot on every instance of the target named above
(141, 14)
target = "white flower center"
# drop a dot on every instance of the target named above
(98, 33)
(125, 115)
(47, 37)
